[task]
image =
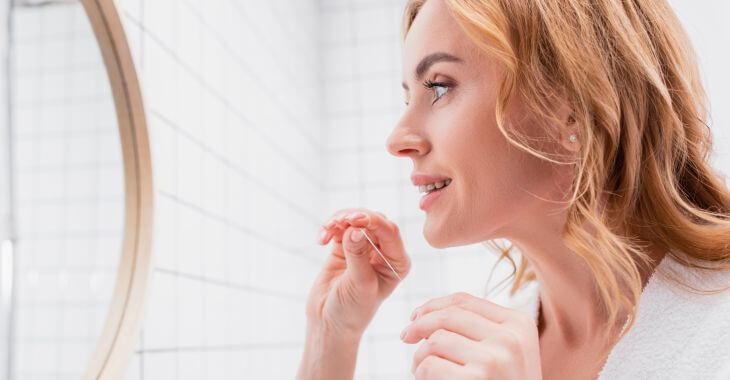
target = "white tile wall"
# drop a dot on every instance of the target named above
(67, 189)
(265, 118)
(708, 28)
(248, 161)
(232, 93)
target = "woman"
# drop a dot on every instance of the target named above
(576, 131)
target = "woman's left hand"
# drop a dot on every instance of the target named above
(472, 338)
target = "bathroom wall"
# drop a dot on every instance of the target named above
(6, 267)
(266, 118)
(232, 94)
(708, 28)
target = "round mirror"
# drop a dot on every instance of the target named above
(77, 193)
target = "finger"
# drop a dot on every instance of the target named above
(346, 220)
(386, 235)
(335, 229)
(436, 368)
(341, 215)
(327, 233)
(455, 319)
(323, 235)
(481, 306)
(448, 345)
(391, 259)
(337, 224)
(357, 255)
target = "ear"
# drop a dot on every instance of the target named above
(565, 124)
(568, 135)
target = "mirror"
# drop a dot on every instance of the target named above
(77, 198)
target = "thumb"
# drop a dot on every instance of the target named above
(357, 254)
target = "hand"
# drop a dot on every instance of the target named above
(472, 338)
(354, 279)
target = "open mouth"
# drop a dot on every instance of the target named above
(433, 187)
(431, 192)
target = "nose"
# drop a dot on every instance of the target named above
(405, 141)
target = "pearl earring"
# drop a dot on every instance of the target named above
(573, 138)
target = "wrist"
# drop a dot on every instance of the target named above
(329, 353)
(332, 334)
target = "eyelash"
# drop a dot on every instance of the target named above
(429, 84)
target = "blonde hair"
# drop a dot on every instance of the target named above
(629, 73)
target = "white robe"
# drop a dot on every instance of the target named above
(677, 334)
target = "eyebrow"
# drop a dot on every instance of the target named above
(429, 61)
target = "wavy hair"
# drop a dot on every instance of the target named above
(629, 73)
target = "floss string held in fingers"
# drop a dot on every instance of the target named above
(381, 253)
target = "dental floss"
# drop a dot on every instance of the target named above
(381, 254)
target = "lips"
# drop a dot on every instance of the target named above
(424, 179)
(429, 198)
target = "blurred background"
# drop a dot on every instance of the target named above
(62, 192)
(265, 118)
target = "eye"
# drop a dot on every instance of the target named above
(440, 88)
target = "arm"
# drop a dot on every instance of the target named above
(328, 355)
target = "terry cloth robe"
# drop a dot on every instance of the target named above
(677, 334)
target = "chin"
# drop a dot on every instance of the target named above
(440, 236)
(436, 236)
(437, 243)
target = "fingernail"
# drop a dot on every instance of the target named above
(413, 315)
(356, 215)
(322, 235)
(356, 236)
(403, 333)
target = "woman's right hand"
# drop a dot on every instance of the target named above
(354, 279)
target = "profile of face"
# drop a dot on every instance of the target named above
(449, 128)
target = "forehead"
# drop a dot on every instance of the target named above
(433, 30)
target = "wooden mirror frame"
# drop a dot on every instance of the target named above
(124, 318)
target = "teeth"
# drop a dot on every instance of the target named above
(435, 185)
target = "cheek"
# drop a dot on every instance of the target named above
(495, 173)
(484, 161)
(495, 178)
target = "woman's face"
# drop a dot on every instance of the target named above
(451, 131)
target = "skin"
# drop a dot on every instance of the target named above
(498, 190)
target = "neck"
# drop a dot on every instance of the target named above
(570, 308)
